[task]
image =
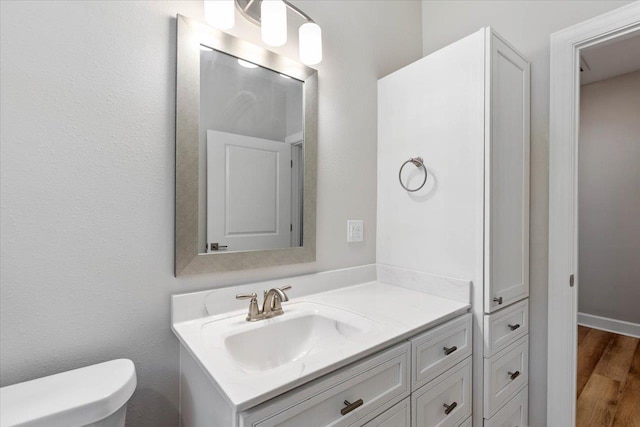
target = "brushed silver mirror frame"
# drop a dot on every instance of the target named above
(188, 259)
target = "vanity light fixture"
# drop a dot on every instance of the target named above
(271, 16)
(273, 22)
(310, 43)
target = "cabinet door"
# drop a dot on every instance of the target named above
(398, 416)
(439, 349)
(514, 413)
(505, 327)
(506, 176)
(445, 401)
(382, 382)
(505, 374)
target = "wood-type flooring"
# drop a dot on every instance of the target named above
(608, 386)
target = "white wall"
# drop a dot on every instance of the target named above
(527, 25)
(87, 176)
(609, 198)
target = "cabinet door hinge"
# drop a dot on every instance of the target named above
(571, 280)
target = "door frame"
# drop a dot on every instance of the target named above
(563, 201)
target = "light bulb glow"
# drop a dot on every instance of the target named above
(220, 14)
(274, 22)
(310, 43)
(246, 64)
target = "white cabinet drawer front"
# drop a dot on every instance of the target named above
(505, 327)
(439, 349)
(445, 401)
(397, 416)
(513, 414)
(385, 383)
(466, 423)
(505, 374)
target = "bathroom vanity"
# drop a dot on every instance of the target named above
(373, 353)
(394, 347)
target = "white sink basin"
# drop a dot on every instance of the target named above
(305, 330)
(251, 362)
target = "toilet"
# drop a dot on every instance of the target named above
(94, 396)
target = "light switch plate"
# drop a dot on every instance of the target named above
(355, 230)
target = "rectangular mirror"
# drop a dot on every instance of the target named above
(246, 142)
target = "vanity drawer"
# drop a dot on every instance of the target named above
(431, 405)
(505, 374)
(381, 380)
(514, 413)
(505, 326)
(398, 416)
(439, 349)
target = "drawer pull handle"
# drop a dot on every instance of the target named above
(514, 375)
(448, 351)
(498, 300)
(514, 327)
(351, 406)
(449, 408)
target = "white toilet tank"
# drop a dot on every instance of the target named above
(94, 396)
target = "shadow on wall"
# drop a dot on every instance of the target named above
(138, 410)
(429, 190)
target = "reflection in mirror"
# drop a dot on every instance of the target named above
(246, 154)
(251, 156)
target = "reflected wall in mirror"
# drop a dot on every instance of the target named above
(246, 144)
(251, 156)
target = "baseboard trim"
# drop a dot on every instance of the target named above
(610, 325)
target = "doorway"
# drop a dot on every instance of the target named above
(567, 48)
(609, 235)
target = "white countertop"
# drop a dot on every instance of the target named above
(398, 313)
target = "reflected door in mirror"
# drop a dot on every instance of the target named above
(249, 192)
(251, 156)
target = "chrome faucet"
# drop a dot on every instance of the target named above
(271, 306)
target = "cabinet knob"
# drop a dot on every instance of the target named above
(514, 375)
(498, 300)
(448, 351)
(449, 408)
(514, 327)
(351, 406)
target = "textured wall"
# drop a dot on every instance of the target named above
(527, 25)
(87, 167)
(609, 198)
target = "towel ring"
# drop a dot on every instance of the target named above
(419, 163)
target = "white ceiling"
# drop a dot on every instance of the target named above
(610, 59)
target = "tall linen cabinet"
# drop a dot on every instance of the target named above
(465, 111)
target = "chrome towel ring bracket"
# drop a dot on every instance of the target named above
(419, 163)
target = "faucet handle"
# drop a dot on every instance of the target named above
(285, 288)
(254, 310)
(252, 295)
